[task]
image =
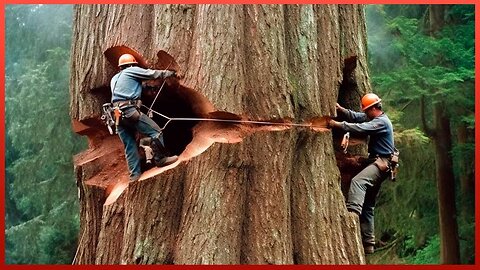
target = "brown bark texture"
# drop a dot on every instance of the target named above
(274, 197)
(449, 242)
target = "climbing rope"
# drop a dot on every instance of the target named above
(149, 112)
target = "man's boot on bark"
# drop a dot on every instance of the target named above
(161, 156)
(369, 248)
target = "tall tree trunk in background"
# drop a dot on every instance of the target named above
(442, 137)
(467, 175)
(436, 14)
(275, 197)
(450, 251)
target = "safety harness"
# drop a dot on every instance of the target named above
(112, 112)
(392, 164)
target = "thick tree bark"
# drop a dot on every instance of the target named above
(449, 248)
(275, 197)
(467, 175)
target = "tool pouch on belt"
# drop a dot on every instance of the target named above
(394, 165)
(117, 113)
(382, 164)
(130, 110)
(131, 114)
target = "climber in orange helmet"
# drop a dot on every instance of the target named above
(126, 87)
(366, 184)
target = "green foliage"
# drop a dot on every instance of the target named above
(409, 206)
(21, 246)
(407, 64)
(429, 254)
(467, 240)
(46, 239)
(42, 209)
(57, 238)
(438, 68)
(30, 30)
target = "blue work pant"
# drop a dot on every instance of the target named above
(133, 120)
(361, 199)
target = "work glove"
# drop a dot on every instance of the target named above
(169, 73)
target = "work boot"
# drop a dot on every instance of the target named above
(167, 161)
(134, 178)
(369, 249)
(160, 154)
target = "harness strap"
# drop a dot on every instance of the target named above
(128, 103)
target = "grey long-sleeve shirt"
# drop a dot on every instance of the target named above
(127, 84)
(379, 129)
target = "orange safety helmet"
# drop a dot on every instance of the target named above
(126, 59)
(369, 100)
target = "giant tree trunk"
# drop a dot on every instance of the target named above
(450, 250)
(273, 198)
(467, 174)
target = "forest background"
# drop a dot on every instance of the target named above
(413, 70)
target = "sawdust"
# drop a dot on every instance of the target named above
(319, 123)
(103, 164)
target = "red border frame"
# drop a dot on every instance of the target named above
(2, 139)
(2, 132)
(238, 2)
(477, 133)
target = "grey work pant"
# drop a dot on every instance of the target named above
(361, 199)
(136, 121)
